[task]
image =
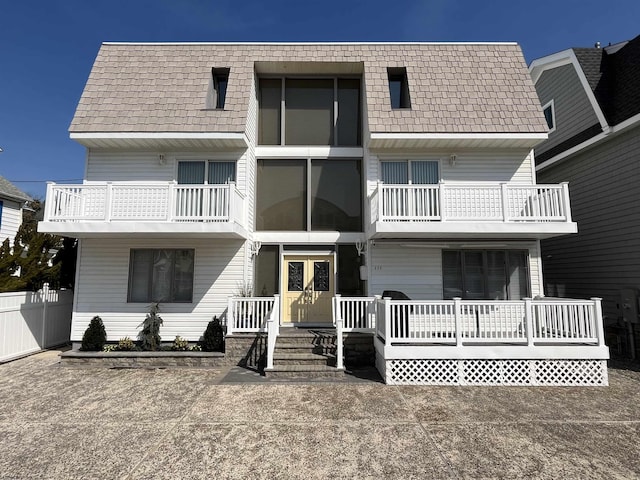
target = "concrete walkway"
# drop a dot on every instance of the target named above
(58, 423)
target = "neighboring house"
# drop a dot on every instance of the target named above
(319, 176)
(591, 97)
(12, 201)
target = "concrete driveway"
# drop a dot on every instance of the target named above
(58, 423)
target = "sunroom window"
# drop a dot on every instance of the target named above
(409, 172)
(309, 195)
(485, 274)
(309, 111)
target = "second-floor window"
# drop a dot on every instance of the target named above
(309, 195)
(404, 172)
(309, 111)
(210, 172)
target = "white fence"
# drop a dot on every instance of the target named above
(155, 202)
(357, 314)
(472, 202)
(31, 321)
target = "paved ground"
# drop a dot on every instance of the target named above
(58, 423)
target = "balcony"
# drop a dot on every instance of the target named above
(160, 207)
(458, 210)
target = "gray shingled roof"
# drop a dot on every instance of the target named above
(614, 78)
(9, 190)
(455, 88)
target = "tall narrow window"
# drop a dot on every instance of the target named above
(220, 81)
(399, 87)
(550, 115)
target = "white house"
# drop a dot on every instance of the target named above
(322, 175)
(12, 201)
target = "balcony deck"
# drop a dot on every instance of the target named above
(145, 208)
(482, 210)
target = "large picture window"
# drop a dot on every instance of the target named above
(404, 172)
(309, 111)
(485, 274)
(309, 195)
(212, 172)
(161, 275)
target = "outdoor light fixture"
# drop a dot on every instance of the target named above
(452, 160)
(161, 159)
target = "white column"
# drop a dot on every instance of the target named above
(230, 316)
(505, 202)
(528, 317)
(597, 312)
(565, 201)
(457, 314)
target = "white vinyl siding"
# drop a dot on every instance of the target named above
(11, 220)
(417, 270)
(476, 167)
(147, 167)
(102, 283)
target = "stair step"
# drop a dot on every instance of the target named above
(306, 358)
(303, 371)
(304, 348)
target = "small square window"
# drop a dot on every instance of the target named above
(220, 81)
(550, 115)
(399, 88)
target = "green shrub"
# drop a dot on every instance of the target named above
(126, 344)
(95, 336)
(150, 333)
(213, 338)
(180, 344)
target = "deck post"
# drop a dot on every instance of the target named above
(230, 316)
(388, 332)
(597, 313)
(108, 206)
(565, 202)
(505, 202)
(457, 315)
(528, 318)
(380, 202)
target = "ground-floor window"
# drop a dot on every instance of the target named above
(161, 275)
(485, 274)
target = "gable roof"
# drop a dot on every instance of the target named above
(9, 190)
(454, 88)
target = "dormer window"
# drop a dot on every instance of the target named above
(550, 115)
(220, 81)
(399, 88)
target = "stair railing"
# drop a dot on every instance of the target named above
(273, 330)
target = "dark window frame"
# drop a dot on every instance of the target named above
(149, 297)
(207, 168)
(485, 271)
(281, 123)
(550, 118)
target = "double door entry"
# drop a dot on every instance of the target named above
(308, 287)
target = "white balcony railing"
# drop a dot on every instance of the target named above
(506, 202)
(250, 314)
(144, 202)
(466, 322)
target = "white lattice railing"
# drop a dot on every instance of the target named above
(466, 322)
(158, 202)
(250, 314)
(505, 202)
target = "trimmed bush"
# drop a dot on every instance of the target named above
(180, 344)
(213, 338)
(149, 336)
(95, 336)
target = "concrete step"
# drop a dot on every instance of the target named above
(305, 348)
(286, 359)
(303, 371)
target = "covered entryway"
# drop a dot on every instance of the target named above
(308, 285)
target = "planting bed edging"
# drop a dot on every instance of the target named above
(76, 358)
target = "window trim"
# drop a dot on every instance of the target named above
(550, 105)
(130, 278)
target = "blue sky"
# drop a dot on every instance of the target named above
(47, 48)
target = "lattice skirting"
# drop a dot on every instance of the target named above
(494, 372)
